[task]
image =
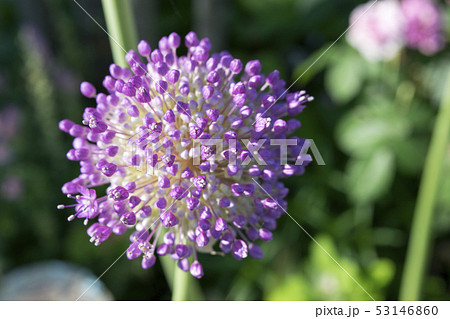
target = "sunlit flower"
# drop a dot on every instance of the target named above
(140, 140)
(377, 30)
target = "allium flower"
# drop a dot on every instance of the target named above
(377, 31)
(423, 26)
(140, 140)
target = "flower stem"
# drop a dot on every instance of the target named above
(121, 28)
(181, 282)
(168, 267)
(420, 237)
(176, 278)
(183, 285)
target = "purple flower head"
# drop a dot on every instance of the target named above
(151, 141)
(423, 25)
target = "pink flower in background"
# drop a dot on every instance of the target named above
(377, 32)
(12, 187)
(5, 154)
(9, 121)
(9, 126)
(423, 26)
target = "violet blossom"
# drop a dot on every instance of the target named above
(150, 119)
(380, 30)
(423, 26)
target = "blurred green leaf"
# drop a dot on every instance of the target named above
(434, 79)
(315, 63)
(421, 115)
(294, 287)
(320, 278)
(387, 236)
(369, 178)
(344, 78)
(410, 155)
(366, 129)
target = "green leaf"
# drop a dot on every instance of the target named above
(292, 288)
(410, 155)
(366, 129)
(382, 271)
(370, 178)
(344, 78)
(434, 79)
(315, 63)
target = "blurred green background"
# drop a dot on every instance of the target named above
(371, 123)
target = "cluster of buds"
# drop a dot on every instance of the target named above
(152, 140)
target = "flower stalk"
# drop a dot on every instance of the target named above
(420, 238)
(182, 281)
(121, 28)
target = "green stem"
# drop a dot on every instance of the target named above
(168, 267)
(121, 28)
(420, 237)
(182, 281)
(182, 284)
